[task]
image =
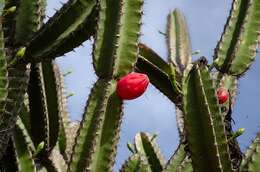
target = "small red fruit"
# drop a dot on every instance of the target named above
(222, 94)
(132, 86)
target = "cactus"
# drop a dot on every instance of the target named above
(36, 133)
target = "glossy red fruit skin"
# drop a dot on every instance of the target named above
(223, 95)
(132, 86)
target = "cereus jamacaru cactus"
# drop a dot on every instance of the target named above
(36, 133)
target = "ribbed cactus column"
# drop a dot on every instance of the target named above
(17, 77)
(114, 55)
(179, 54)
(204, 123)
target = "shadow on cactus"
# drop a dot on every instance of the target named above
(36, 133)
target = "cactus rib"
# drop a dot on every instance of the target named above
(178, 40)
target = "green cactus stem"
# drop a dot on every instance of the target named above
(159, 79)
(237, 47)
(153, 57)
(204, 124)
(3, 92)
(90, 139)
(132, 164)
(147, 147)
(252, 157)
(178, 40)
(176, 160)
(23, 147)
(68, 28)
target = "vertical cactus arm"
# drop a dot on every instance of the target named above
(53, 99)
(251, 160)
(22, 147)
(72, 17)
(178, 40)
(176, 159)
(153, 57)
(17, 86)
(64, 135)
(149, 149)
(209, 151)
(28, 19)
(159, 79)
(132, 164)
(246, 49)
(86, 135)
(237, 47)
(3, 91)
(106, 145)
(101, 136)
(230, 34)
(20, 125)
(38, 106)
(106, 37)
(130, 22)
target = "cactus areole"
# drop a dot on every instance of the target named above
(132, 86)
(222, 94)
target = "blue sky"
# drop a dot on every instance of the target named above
(153, 112)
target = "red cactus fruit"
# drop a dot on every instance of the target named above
(222, 94)
(132, 86)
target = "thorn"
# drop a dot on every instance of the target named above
(131, 148)
(67, 73)
(154, 136)
(196, 52)
(162, 33)
(69, 95)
